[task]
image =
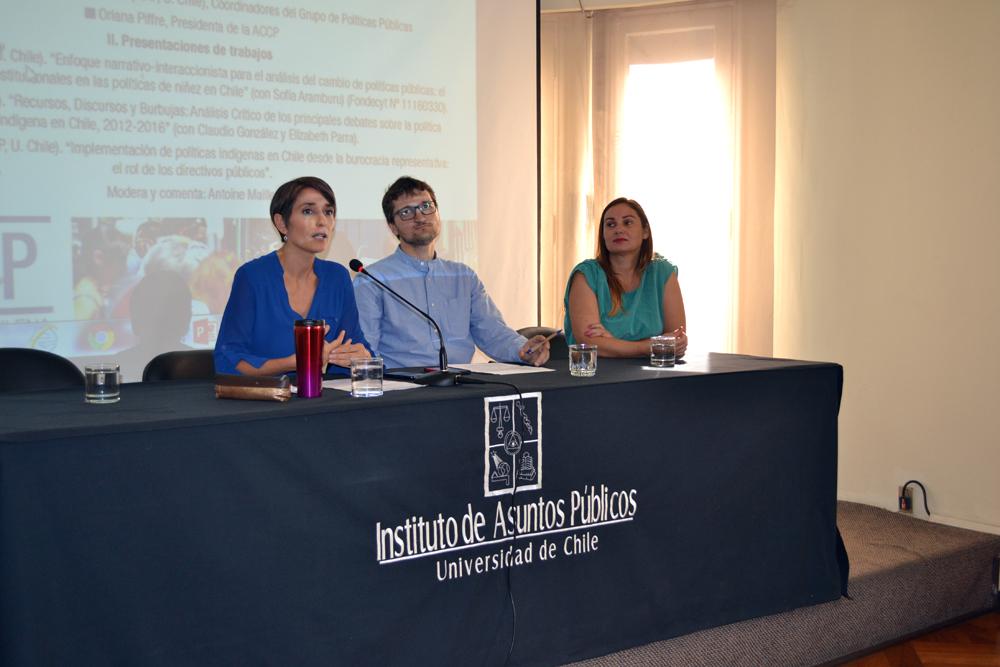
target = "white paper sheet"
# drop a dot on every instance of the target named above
(494, 368)
(344, 384)
(387, 385)
(695, 364)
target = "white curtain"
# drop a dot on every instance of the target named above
(567, 161)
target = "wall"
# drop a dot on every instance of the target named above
(886, 238)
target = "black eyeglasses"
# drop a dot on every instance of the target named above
(409, 212)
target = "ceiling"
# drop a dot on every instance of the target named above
(575, 5)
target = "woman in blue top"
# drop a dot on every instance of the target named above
(626, 295)
(271, 292)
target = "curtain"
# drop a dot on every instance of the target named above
(584, 62)
(567, 228)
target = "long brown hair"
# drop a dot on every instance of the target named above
(603, 258)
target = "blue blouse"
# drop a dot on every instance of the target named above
(259, 324)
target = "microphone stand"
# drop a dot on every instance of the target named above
(443, 377)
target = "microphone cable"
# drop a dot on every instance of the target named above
(461, 379)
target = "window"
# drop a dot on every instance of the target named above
(674, 159)
(670, 120)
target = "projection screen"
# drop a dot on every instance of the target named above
(144, 138)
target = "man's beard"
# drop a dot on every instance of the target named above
(420, 240)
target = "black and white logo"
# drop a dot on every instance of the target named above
(513, 444)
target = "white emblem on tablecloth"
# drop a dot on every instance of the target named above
(513, 443)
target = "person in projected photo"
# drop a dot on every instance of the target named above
(145, 236)
(100, 266)
(628, 293)
(180, 254)
(160, 313)
(450, 292)
(212, 281)
(270, 293)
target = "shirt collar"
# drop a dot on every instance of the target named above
(409, 260)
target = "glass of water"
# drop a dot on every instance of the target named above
(102, 383)
(583, 360)
(662, 351)
(366, 377)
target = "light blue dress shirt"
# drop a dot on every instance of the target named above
(451, 293)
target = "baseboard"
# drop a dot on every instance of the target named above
(918, 513)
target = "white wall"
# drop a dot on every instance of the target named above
(887, 236)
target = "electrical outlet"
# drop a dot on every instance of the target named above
(905, 497)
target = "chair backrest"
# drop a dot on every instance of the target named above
(181, 365)
(25, 369)
(557, 346)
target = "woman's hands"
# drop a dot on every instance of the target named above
(340, 351)
(680, 341)
(609, 346)
(597, 330)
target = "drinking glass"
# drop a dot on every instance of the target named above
(662, 351)
(366, 377)
(582, 360)
(102, 382)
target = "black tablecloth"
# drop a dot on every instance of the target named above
(176, 529)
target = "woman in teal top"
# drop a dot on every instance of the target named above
(627, 294)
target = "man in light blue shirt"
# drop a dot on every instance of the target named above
(450, 292)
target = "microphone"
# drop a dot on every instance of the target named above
(439, 378)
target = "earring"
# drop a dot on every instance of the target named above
(284, 238)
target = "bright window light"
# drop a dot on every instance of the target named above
(675, 158)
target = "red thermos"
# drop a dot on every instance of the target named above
(309, 357)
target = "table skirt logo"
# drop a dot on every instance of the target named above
(513, 444)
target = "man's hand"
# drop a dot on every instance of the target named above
(535, 351)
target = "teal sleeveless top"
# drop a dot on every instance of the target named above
(641, 314)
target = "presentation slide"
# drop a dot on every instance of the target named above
(141, 142)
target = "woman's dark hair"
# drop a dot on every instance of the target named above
(603, 258)
(404, 185)
(285, 196)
